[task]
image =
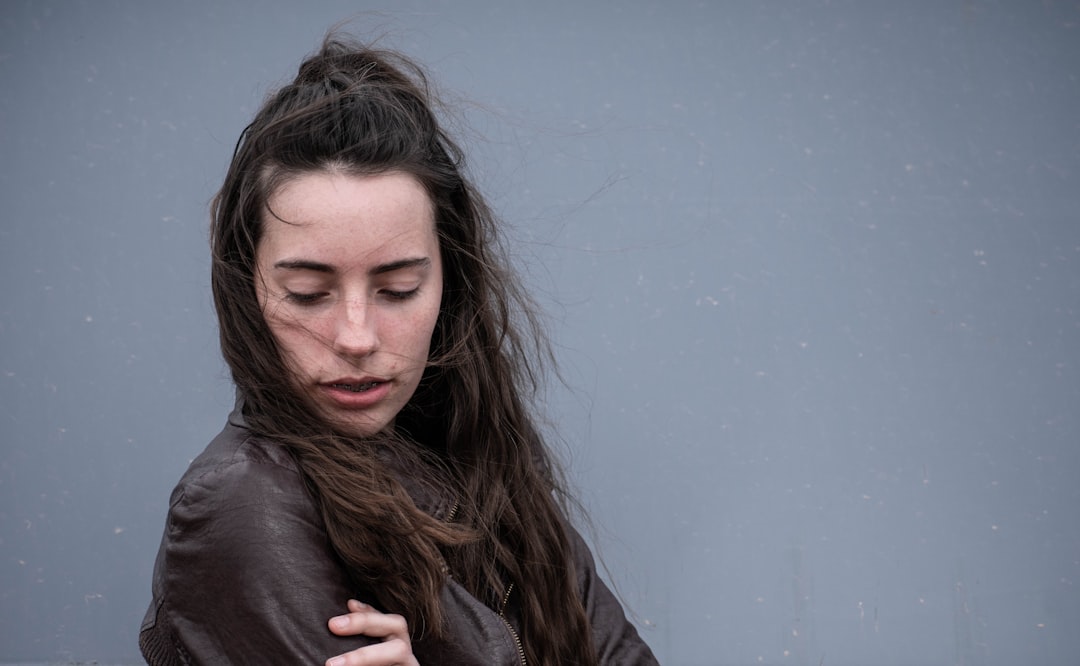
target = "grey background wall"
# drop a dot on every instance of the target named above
(813, 269)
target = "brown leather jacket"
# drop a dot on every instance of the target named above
(246, 574)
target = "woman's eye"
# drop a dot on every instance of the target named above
(302, 299)
(396, 295)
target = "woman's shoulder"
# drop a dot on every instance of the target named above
(239, 470)
(236, 446)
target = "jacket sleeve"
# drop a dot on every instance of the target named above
(248, 573)
(616, 640)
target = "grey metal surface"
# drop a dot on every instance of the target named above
(813, 269)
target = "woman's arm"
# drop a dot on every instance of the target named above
(247, 573)
(616, 640)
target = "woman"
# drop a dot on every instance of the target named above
(382, 449)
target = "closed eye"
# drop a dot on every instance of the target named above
(303, 299)
(395, 295)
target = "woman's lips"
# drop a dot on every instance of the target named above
(355, 393)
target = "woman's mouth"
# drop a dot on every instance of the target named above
(356, 388)
(359, 393)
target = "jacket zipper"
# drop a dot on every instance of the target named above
(449, 518)
(505, 600)
(513, 634)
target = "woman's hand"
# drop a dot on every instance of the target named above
(363, 620)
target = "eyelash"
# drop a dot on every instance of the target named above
(301, 299)
(400, 295)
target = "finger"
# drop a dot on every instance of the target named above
(370, 622)
(393, 652)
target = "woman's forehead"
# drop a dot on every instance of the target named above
(347, 215)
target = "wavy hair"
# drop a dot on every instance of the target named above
(467, 433)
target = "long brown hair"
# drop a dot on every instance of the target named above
(467, 433)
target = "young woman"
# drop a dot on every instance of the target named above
(382, 448)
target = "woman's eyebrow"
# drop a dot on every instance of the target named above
(418, 262)
(304, 265)
(319, 267)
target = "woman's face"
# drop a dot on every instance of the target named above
(350, 282)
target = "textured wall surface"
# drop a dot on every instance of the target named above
(813, 269)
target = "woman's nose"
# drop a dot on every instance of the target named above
(355, 333)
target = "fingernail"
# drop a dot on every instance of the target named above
(336, 661)
(340, 622)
